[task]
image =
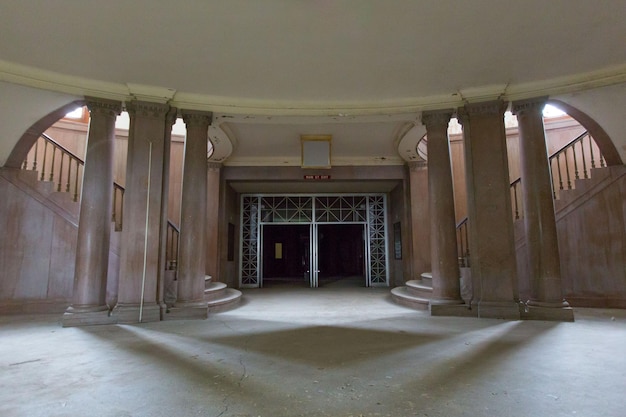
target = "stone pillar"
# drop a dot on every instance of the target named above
(546, 297)
(420, 218)
(94, 229)
(491, 239)
(444, 255)
(141, 233)
(190, 301)
(170, 119)
(212, 219)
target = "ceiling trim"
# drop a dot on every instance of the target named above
(49, 80)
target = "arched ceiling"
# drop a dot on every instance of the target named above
(272, 70)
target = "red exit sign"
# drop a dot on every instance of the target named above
(317, 177)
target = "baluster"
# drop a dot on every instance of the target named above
(114, 205)
(54, 152)
(602, 161)
(43, 162)
(593, 161)
(582, 151)
(575, 161)
(68, 179)
(121, 216)
(467, 248)
(558, 165)
(75, 183)
(35, 156)
(569, 182)
(60, 184)
(551, 161)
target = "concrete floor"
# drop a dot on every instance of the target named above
(316, 352)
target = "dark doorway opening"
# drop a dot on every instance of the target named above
(341, 254)
(286, 254)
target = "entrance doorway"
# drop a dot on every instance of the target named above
(341, 254)
(286, 254)
(313, 239)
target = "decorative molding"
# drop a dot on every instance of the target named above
(196, 118)
(53, 81)
(532, 104)
(486, 108)
(415, 166)
(437, 118)
(147, 109)
(213, 166)
(103, 106)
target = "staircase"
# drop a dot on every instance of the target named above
(416, 293)
(51, 172)
(577, 169)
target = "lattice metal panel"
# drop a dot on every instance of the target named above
(340, 209)
(377, 241)
(250, 242)
(286, 209)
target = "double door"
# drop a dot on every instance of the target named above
(314, 254)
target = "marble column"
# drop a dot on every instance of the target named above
(420, 218)
(446, 298)
(170, 119)
(94, 229)
(190, 301)
(546, 296)
(491, 238)
(214, 170)
(141, 234)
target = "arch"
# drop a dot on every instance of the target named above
(28, 139)
(602, 139)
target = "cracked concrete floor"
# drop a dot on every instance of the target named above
(316, 352)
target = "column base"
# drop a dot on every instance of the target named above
(556, 311)
(507, 310)
(86, 316)
(186, 311)
(450, 308)
(129, 313)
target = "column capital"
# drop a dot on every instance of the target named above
(197, 118)
(434, 118)
(103, 106)
(171, 116)
(485, 108)
(147, 109)
(213, 166)
(417, 165)
(535, 104)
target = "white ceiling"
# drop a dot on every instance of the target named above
(271, 70)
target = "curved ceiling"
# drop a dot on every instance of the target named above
(361, 70)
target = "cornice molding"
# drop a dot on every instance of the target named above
(48, 80)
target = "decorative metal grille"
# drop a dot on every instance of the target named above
(286, 209)
(250, 242)
(377, 240)
(340, 209)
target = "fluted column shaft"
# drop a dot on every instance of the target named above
(444, 255)
(539, 219)
(192, 247)
(92, 251)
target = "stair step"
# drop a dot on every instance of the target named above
(419, 288)
(403, 296)
(214, 290)
(230, 298)
(427, 278)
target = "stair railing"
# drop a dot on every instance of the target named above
(566, 163)
(56, 164)
(65, 170)
(462, 241)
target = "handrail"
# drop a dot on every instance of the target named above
(462, 238)
(65, 171)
